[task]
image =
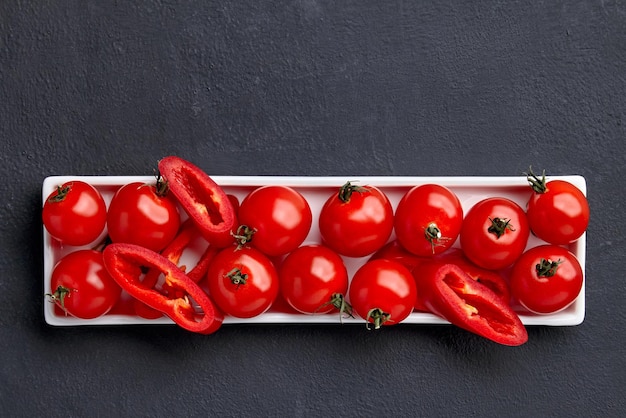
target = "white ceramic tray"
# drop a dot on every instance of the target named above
(316, 190)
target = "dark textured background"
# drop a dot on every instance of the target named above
(311, 88)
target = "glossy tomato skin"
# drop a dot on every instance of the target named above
(92, 291)
(559, 215)
(422, 208)
(250, 297)
(310, 276)
(383, 285)
(494, 233)
(75, 213)
(546, 294)
(359, 226)
(138, 215)
(280, 216)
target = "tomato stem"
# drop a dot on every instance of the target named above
(378, 317)
(547, 267)
(338, 300)
(433, 235)
(499, 226)
(537, 184)
(61, 194)
(237, 277)
(243, 235)
(162, 185)
(58, 297)
(345, 192)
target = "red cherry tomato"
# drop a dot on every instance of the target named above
(558, 212)
(140, 214)
(75, 213)
(242, 282)
(81, 285)
(274, 219)
(357, 221)
(428, 219)
(546, 279)
(494, 233)
(383, 292)
(312, 278)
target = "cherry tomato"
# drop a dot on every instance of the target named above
(75, 213)
(313, 278)
(81, 285)
(494, 233)
(142, 214)
(242, 282)
(546, 279)
(274, 219)
(428, 219)
(383, 292)
(558, 212)
(357, 221)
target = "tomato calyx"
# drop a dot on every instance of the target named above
(345, 192)
(434, 236)
(338, 300)
(162, 185)
(499, 226)
(58, 297)
(537, 184)
(243, 235)
(547, 267)
(61, 194)
(236, 276)
(378, 317)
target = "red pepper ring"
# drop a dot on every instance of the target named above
(201, 198)
(452, 294)
(124, 263)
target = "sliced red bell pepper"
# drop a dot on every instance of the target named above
(490, 278)
(201, 198)
(173, 252)
(124, 262)
(450, 293)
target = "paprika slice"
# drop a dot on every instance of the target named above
(490, 278)
(173, 252)
(124, 262)
(201, 198)
(452, 294)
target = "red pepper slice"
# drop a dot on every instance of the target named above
(450, 293)
(201, 198)
(124, 263)
(173, 252)
(492, 279)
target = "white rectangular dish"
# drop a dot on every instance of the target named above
(316, 190)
